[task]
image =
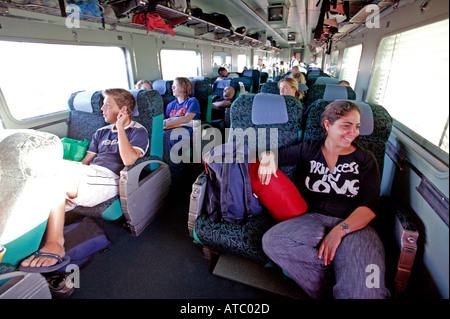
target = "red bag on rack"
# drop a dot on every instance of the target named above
(152, 21)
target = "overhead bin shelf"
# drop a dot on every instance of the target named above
(175, 18)
(203, 27)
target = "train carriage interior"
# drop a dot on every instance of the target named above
(157, 239)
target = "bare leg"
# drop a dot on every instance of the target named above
(55, 225)
(54, 241)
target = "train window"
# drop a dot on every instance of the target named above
(242, 61)
(350, 64)
(221, 59)
(180, 63)
(334, 63)
(39, 78)
(410, 79)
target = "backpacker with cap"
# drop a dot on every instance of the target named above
(229, 195)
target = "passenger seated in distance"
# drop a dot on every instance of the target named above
(299, 77)
(341, 184)
(179, 112)
(224, 74)
(219, 103)
(344, 83)
(144, 85)
(96, 178)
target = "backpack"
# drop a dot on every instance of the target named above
(83, 239)
(228, 194)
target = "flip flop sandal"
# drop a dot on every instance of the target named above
(61, 263)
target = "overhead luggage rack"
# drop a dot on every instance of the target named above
(173, 17)
(203, 27)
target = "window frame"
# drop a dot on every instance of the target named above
(11, 117)
(199, 67)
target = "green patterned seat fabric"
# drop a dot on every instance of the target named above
(270, 87)
(245, 239)
(316, 92)
(83, 125)
(201, 90)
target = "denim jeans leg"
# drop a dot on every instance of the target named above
(293, 245)
(359, 266)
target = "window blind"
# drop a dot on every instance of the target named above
(410, 79)
(350, 64)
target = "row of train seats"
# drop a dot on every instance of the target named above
(201, 90)
(244, 239)
(29, 161)
(319, 87)
(257, 79)
(24, 174)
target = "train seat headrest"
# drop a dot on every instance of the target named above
(223, 84)
(83, 101)
(302, 87)
(269, 109)
(248, 73)
(366, 117)
(326, 80)
(135, 93)
(160, 86)
(335, 92)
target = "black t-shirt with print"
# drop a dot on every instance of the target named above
(355, 181)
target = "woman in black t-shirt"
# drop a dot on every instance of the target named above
(341, 185)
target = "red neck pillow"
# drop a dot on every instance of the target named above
(281, 197)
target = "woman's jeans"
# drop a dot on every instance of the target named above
(358, 268)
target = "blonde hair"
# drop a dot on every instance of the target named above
(299, 77)
(294, 84)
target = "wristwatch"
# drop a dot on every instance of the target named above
(344, 226)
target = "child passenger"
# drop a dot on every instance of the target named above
(179, 113)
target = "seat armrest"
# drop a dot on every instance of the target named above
(196, 201)
(22, 285)
(406, 234)
(142, 198)
(132, 173)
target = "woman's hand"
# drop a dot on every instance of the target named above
(330, 244)
(267, 167)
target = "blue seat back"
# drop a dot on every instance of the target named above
(329, 92)
(164, 87)
(86, 116)
(245, 113)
